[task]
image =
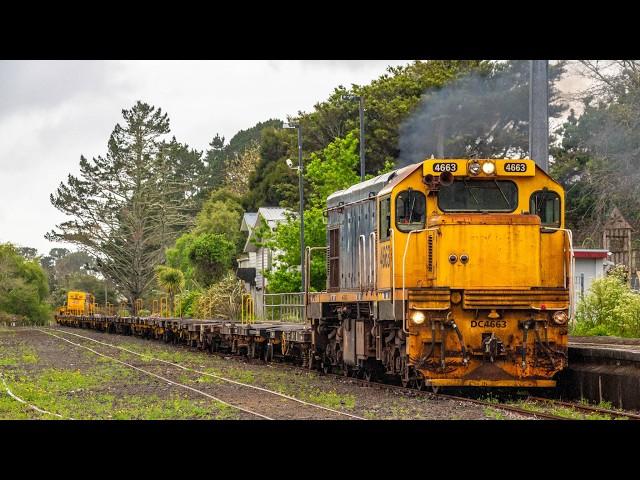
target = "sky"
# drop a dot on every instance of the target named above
(51, 112)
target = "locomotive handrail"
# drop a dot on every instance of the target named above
(571, 267)
(392, 263)
(372, 263)
(404, 260)
(362, 246)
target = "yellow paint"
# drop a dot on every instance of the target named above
(78, 303)
(516, 271)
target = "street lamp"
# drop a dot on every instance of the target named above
(361, 109)
(300, 170)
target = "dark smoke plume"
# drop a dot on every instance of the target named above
(483, 114)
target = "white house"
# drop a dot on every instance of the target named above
(254, 259)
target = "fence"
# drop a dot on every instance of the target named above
(283, 307)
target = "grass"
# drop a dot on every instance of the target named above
(561, 411)
(494, 414)
(96, 392)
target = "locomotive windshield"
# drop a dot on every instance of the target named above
(410, 210)
(479, 196)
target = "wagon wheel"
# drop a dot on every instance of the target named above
(268, 352)
(367, 374)
(346, 371)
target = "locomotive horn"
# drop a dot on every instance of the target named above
(446, 179)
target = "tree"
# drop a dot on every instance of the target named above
(335, 168)
(597, 160)
(23, 287)
(172, 280)
(128, 206)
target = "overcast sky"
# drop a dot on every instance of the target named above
(51, 112)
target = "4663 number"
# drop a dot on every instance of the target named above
(515, 167)
(445, 167)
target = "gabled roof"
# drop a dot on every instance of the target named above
(272, 216)
(248, 221)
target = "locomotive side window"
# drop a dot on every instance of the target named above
(479, 196)
(385, 219)
(546, 204)
(410, 210)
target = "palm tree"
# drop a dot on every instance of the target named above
(172, 280)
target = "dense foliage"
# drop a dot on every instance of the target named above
(609, 308)
(23, 288)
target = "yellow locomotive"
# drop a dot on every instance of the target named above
(447, 273)
(78, 303)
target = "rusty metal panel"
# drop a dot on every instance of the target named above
(360, 347)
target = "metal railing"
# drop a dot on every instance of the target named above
(283, 307)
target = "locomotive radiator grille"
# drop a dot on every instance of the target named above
(430, 299)
(517, 299)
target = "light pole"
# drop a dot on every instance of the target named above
(300, 170)
(361, 110)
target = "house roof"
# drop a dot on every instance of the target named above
(590, 253)
(248, 221)
(272, 216)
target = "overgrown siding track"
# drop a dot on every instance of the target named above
(263, 397)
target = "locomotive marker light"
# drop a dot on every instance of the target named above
(488, 168)
(560, 317)
(474, 167)
(417, 317)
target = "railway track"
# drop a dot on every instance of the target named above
(389, 387)
(585, 408)
(182, 367)
(360, 382)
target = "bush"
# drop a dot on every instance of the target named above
(609, 308)
(187, 302)
(23, 287)
(221, 300)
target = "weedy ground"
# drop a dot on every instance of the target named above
(75, 383)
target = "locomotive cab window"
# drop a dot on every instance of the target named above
(546, 204)
(410, 210)
(479, 196)
(385, 218)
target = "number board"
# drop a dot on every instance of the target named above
(436, 167)
(516, 168)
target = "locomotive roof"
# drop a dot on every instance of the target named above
(363, 190)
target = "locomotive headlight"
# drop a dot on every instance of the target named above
(474, 167)
(560, 317)
(489, 168)
(417, 317)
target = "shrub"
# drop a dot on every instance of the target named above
(222, 300)
(609, 308)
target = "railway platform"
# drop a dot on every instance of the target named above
(603, 369)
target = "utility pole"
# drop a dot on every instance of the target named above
(539, 113)
(361, 105)
(300, 169)
(301, 188)
(361, 114)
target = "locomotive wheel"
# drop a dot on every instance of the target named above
(418, 384)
